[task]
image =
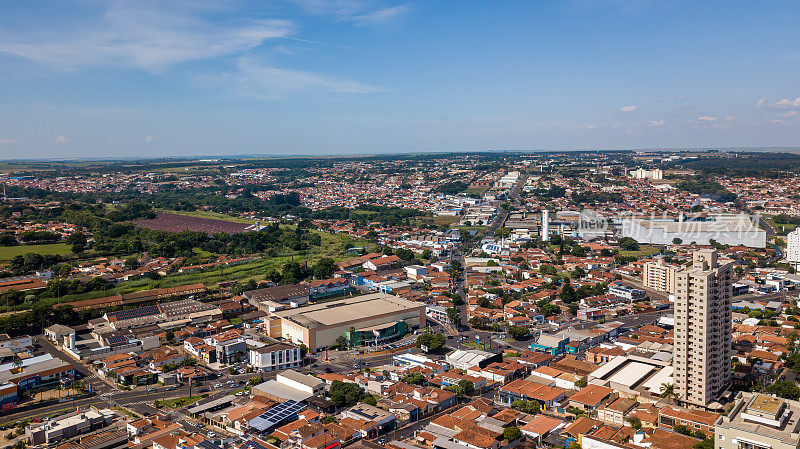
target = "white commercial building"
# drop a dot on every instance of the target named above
(641, 173)
(276, 356)
(727, 229)
(301, 382)
(793, 248)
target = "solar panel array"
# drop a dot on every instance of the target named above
(138, 312)
(208, 444)
(252, 444)
(276, 415)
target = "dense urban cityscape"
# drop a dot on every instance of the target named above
(484, 300)
(399, 224)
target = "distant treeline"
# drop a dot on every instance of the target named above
(709, 189)
(744, 164)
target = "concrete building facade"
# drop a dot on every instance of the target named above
(361, 320)
(702, 349)
(659, 276)
(793, 248)
(758, 421)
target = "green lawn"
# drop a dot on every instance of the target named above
(9, 252)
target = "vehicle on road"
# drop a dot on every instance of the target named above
(151, 389)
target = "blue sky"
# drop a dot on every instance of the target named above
(107, 78)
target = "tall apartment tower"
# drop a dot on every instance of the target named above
(702, 348)
(659, 276)
(793, 248)
(545, 225)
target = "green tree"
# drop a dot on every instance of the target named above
(518, 332)
(568, 294)
(628, 244)
(466, 387)
(324, 268)
(433, 342)
(667, 392)
(341, 343)
(531, 407)
(453, 316)
(785, 389)
(345, 394)
(512, 433)
(414, 378)
(329, 419)
(707, 443)
(480, 322)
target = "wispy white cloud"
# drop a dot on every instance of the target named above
(7, 141)
(706, 118)
(592, 127)
(680, 97)
(61, 139)
(788, 114)
(338, 8)
(270, 82)
(629, 108)
(150, 139)
(656, 123)
(381, 15)
(360, 12)
(787, 103)
(148, 35)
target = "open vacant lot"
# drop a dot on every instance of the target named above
(178, 222)
(9, 252)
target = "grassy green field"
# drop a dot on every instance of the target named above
(332, 245)
(644, 250)
(780, 229)
(212, 215)
(9, 252)
(475, 190)
(445, 220)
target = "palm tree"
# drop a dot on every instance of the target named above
(17, 364)
(668, 392)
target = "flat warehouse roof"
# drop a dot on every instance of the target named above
(350, 309)
(631, 374)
